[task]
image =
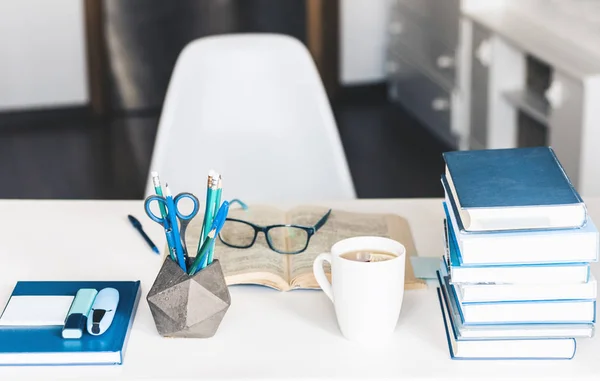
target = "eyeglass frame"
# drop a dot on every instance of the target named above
(310, 230)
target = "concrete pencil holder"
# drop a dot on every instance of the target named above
(188, 306)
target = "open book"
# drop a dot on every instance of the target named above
(261, 265)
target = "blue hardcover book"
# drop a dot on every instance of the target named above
(523, 312)
(512, 189)
(32, 334)
(552, 273)
(501, 348)
(551, 246)
(508, 331)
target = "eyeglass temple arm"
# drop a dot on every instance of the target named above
(242, 203)
(322, 221)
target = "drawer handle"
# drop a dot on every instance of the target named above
(555, 94)
(484, 53)
(445, 62)
(440, 104)
(395, 28)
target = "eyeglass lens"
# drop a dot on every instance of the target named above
(288, 239)
(238, 234)
(284, 239)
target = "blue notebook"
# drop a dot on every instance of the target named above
(44, 345)
(512, 189)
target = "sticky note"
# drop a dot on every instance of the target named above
(425, 267)
(36, 310)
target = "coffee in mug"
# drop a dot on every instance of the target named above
(367, 286)
(368, 256)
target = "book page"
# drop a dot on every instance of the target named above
(341, 225)
(257, 264)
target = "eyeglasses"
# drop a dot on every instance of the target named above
(282, 238)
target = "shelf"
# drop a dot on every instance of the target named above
(529, 103)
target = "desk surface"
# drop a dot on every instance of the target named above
(265, 334)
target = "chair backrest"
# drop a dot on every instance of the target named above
(253, 108)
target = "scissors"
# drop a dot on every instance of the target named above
(184, 219)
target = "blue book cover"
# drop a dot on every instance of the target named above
(44, 345)
(513, 177)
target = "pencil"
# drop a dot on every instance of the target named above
(163, 212)
(211, 250)
(211, 187)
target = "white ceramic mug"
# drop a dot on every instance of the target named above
(367, 296)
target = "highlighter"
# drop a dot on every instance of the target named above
(76, 320)
(103, 311)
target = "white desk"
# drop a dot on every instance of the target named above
(265, 334)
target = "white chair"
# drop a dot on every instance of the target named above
(253, 108)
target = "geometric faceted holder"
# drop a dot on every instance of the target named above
(188, 306)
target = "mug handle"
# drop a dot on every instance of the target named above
(320, 274)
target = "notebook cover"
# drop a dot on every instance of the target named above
(48, 339)
(512, 177)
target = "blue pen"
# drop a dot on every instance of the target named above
(172, 215)
(218, 223)
(201, 260)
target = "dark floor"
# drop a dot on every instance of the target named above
(69, 155)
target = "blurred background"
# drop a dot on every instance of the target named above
(82, 83)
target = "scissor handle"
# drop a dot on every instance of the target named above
(149, 211)
(195, 203)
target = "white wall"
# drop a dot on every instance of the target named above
(42, 54)
(363, 26)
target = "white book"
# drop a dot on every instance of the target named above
(547, 273)
(541, 348)
(473, 293)
(525, 247)
(511, 331)
(572, 311)
(551, 275)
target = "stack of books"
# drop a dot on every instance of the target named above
(515, 280)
